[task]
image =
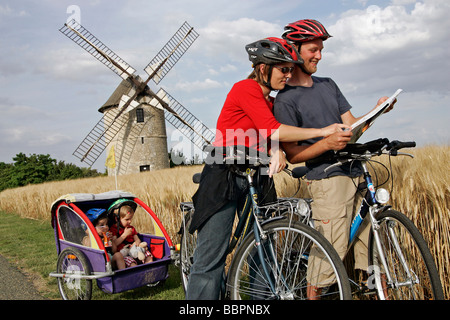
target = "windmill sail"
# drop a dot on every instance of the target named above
(109, 125)
(185, 121)
(100, 136)
(171, 52)
(96, 48)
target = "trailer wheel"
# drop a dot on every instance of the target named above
(73, 263)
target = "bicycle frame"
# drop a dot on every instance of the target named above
(367, 202)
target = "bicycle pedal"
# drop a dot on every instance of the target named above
(365, 290)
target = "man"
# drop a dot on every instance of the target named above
(312, 102)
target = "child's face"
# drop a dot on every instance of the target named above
(102, 226)
(126, 220)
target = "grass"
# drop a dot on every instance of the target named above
(27, 244)
(421, 190)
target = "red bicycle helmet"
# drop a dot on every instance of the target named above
(305, 30)
(271, 51)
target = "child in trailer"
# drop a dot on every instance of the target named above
(99, 219)
(124, 234)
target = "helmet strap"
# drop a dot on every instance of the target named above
(269, 78)
(302, 67)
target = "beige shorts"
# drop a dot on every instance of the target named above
(335, 201)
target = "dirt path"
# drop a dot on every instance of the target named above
(14, 285)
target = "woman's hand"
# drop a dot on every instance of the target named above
(336, 127)
(277, 162)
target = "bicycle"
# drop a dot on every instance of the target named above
(270, 248)
(400, 263)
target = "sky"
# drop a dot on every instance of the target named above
(51, 89)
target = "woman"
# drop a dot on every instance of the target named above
(246, 119)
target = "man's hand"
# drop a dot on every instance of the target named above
(338, 140)
(383, 99)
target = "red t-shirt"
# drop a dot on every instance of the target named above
(246, 117)
(128, 240)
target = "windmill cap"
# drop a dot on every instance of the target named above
(124, 87)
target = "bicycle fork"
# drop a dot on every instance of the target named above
(370, 205)
(393, 241)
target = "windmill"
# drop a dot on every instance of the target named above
(134, 116)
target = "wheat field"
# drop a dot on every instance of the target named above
(421, 190)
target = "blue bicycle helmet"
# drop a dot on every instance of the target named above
(94, 213)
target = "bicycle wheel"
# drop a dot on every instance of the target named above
(187, 248)
(72, 261)
(412, 271)
(286, 250)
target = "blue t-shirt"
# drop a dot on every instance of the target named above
(314, 107)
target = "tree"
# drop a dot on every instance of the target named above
(5, 174)
(39, 168)
(33, 169)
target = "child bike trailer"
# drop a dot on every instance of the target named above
(83, 257)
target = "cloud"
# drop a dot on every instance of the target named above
(198, 85)
(10, 111)
(5, 10)
(380, 47)
(29, 129)
(222, 37)
(363, 34)
(70, 64)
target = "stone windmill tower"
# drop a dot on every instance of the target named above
(134, 116)
(141, 143)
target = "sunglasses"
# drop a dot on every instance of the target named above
(285, 70)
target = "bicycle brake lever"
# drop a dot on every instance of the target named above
(404, 154)
(337, 164)
(289, 172)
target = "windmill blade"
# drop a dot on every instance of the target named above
(131, 105)
(97, 49)
(111, 123)
(169, 55)
(99, 137)
(185, 121)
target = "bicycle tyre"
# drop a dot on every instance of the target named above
(245, 278)
(187, 249)
(73, 261)
(417, 255)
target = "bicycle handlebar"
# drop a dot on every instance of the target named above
(400, 145)
(396, 145)
(358, 151)
(355, 151)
